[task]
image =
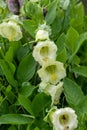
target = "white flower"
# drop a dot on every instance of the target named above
(53, 90)
(52, 72)
(63, 119)
(42, 35)
(64, 4)
(45, 51)
(43, 32)
(11, 31)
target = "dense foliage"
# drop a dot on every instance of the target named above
(23, 106)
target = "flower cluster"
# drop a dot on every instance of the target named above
(51, 74)
(52, 71)
(10, 30)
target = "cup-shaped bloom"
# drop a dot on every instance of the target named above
(11, 31)
(52, 72)
(63, 119)
(53, 90)
(42, 35)
(45, 51)
(64, 4)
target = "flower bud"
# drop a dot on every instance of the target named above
(43, 32)
(42, 35)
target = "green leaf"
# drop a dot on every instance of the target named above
(44, 3)
(10, 94)
(60, 42)
(26, 103)
(77, 17)
(30, 26)
(15, 119)
(12, 128)
(40, 102)
(72, 92)
(62, 56)
(82, 122)
(79, 42)
(81, 70)
(51, 15)
(22, 52)
(11, 53)
(1, 71)
(76, 60)
(71, 38)
(34, 11)
(26, 68)
(82, 107)
(4, 107)
(56, 28)
(9, 70)
(27, 89)
(39, 123)
(36, 128)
